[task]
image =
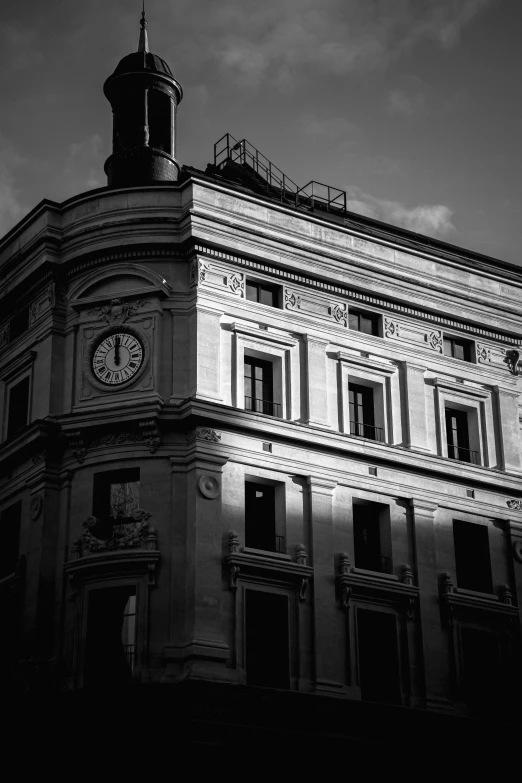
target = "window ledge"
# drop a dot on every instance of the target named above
(249, 566)
(266, 553)
(375, 574)
(380, 588)
(108, 564)
(470, 599)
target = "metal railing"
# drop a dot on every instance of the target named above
(263, 406)
(314, 195)
(463, 455)
(362, 430)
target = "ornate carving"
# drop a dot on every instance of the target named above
(77, 445)
(117, 311)
(345, 596)
(506, 596)
(391, 328)
(517, 550)
(512, 360)
(483, 353)
(236, 283)
(208, 486)
(515, 504)
(35, 506)
(4, 335)
(194, 272)
(233, 542)
(435, 341)
(446, 583)
(116, 439)
(301, 555)
(129, 535)
(340, 314)
(346, 565)
(203, 433)
(233, 577)
(406, 575)
(151, 434)
(34, 311)
(303, 589)
(292, 301)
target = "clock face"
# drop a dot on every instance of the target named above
(117, 358)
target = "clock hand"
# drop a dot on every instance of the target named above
(116, 350)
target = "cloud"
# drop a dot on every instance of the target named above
(407, 104)
(11, 208)
(434, 220)
(282, 40)
(84, 164)
(18, 44)
(328, 128)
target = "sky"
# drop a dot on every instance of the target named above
(410, 106)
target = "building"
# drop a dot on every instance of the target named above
(260, 457)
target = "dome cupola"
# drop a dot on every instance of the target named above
(144, 97)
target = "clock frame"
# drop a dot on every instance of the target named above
(136, 337)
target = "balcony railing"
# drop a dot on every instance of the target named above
(263, 406)
(362, 430)
(463, 455)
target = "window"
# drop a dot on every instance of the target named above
(457, 436)
(362, 422)
(263, 293)
(10, 532)
(116, 498)
(379, 676)
(267, 639)
(160, 121)
(111, 637)
(472, 558)
(261, 528)
(259, 387)
(363, 322)
(18, 411)
(481, 670)
(458, 349)
(19, 323)
(372, 537)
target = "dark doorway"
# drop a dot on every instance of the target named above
(378, 657)
(110, 643)
(267, 638)
(260, 526)
(481, 676)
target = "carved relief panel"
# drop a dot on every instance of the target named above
(412, 333)
(313, 304)
(207, 274)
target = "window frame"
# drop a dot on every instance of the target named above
(468, 347)
(18, 369)
(279, 494)
(374, 318)
(275, 288)
(383, 379)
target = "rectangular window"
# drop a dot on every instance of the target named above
(372, 537)
(259, 387)
(457, 435)
(111, 637)
(458, 349)
(261, 530)
(378, 654)
(362, 422)
(263, 293)
(363, 322)
(19, 324)
(481, 670)
(18, 411)
(10, 531)
(116, 495)
(267, 639)
(472, 558)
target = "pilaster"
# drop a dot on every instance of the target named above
(414, 406)
(317, 382)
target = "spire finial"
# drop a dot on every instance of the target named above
(143, 45)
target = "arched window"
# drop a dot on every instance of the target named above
(160, 121)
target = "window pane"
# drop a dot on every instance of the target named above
(448, 347)
(124, 499)
(18, 407)
(252, 292)
(353, 321)
(267, 295)
(458, 350)
(19, 323)
(366, 324)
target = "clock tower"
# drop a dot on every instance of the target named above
(144, 97)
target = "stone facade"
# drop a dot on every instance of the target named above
(172, 265)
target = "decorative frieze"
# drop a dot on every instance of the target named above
(151, 434)
(117, 311)
(309, 303)
(515, 503)
(512, 359)
(116, 439)
(412, 333)
(207, 274)
(97, 537)
(203, 433)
